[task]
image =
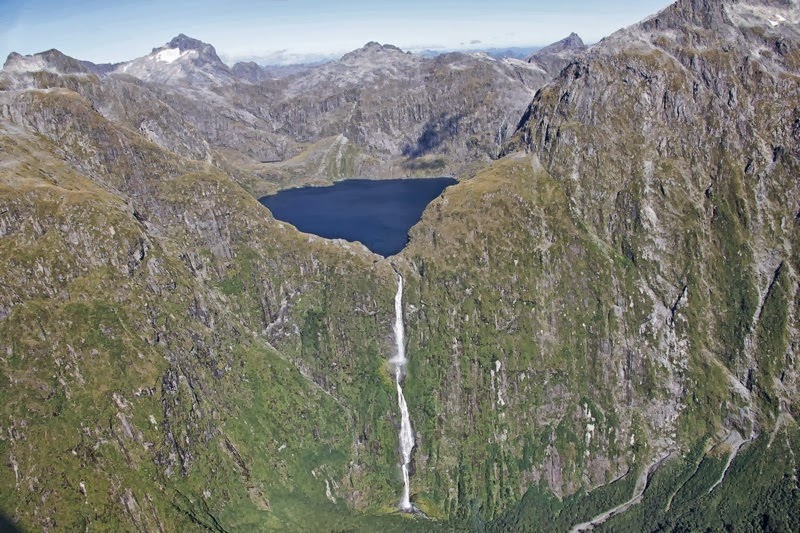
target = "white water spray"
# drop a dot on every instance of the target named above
(399, 361)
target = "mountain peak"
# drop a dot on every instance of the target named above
(184, 42)
(206, 53)
(554, 57)
(721, 20)
(12, 58)
(378, 47)
(718, 14)
(181, 60)
(570, 42)
(250, 71)
(51, 60)
(370, 49)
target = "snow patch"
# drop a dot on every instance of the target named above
(778, 20)
(519, 63)
(748, 15)
(169, 55)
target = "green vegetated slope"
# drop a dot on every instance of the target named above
(758, 493)
(529, 417)
(520, 356)
(681, 154)
(623, 285)
(171, 355)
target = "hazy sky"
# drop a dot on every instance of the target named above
(118, 30)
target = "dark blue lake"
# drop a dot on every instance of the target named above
(377, 213)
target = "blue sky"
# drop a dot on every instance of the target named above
(118, 30)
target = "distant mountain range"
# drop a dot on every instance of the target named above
(171, 61)
(443, 114)
(287, 59)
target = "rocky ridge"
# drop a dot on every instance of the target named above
(553, 58)
(183, 60)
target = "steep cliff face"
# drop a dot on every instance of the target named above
(540, 361)
(385, 112)
(676, 141)
(171, 354)
(631, 287)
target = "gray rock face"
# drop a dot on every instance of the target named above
(555, 57)
(623, 285)
(184, 61)
(676, 142)
(377, 111)
(371, 50)
(397, 105)
(51, 61)
(250, 72)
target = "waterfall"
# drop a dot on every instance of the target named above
(399, 361)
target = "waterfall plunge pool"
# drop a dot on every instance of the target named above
(377, 213)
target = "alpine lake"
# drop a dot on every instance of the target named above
(377, 213)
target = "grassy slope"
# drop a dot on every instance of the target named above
(113, 320)
(579, 342)
(547, 302)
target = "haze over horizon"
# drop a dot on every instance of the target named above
(283, 31)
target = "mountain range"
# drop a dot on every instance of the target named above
(601, 317)
(450, 113)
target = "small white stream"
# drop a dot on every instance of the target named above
(400, 362)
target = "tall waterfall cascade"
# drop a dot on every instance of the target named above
(400, 362)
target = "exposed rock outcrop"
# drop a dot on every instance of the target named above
(553, 58)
